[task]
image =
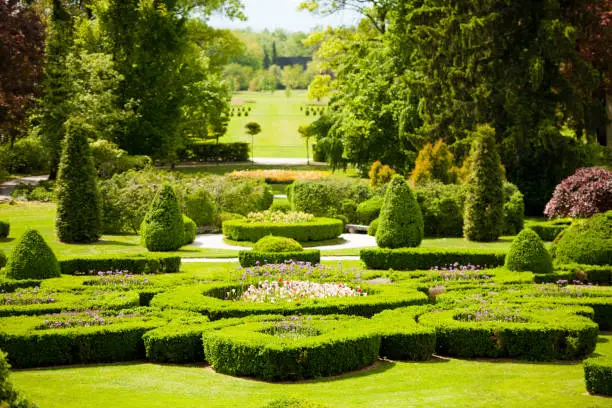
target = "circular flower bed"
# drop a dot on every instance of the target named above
(292, 348)
(294, 291)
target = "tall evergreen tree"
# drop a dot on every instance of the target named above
(483, 218)
(274, 55)
(78, 218)
(266, 59)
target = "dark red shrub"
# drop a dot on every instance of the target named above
(586, 192)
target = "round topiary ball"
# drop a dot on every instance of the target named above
(401, 221)
(162, 228)
(587, 241)
(277, 244)
(528, 253)
(32, 258)
(5, 228)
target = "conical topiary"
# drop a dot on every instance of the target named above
(483, 216)
(162, 228)
(401, 221)
(32, 258)
(78, 218)
(528, 253)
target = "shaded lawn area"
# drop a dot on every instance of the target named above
(437, 383)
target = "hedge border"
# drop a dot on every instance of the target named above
(598, 375)
(320, 229)
(201, 299)
(411, 259)
(252, 258)
(136, 264)
(343, 344)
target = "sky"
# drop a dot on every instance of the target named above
(273, 14)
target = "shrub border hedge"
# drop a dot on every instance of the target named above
(411, 259)
(252, 258)
(320, 229)
(135, 264)
(598, 375)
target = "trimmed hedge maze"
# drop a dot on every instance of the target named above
(301, 320)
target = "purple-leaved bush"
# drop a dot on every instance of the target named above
(586, 192)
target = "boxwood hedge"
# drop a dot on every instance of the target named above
(546, 333)
(134, 264)
(319, 229)
(5, 229)
(209, 300)
(424, 258)
(252, 258)
(334, 345)
(598, 375)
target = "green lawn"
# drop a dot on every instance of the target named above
(279, 118)
(437, 383)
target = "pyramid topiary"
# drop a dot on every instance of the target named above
(5, 228)
(401, 221)
(32, 258)
(162, 228)
(190, 229)
(528, 253)
(586, 241)
(277, 244)
(483, 216)
(78, 218)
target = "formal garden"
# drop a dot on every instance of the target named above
(407, 224)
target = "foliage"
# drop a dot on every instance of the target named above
(109, 159)
(442, 207)
(32, 258)
(320, 87)
(587, 192)
(484, 205)
(271, 243)
(190, 230)
(221, 152)
(5, 228)
(142, 264)
(369, 210)
(78, 217)
(424, 258)
(514, 210)
(261, 258)
(373, 227)
(3, 259)
(319, 229)
(280, 176)
(401, 220)
(586, 241)
(528, 253)
(199, 205)
(380, 174)
(434, 162)
(22, 37)
(598, 375)
(293, 403)
(162, 228)
(325, 198)
(549, 230)
(221, 217)
(27, 155)
(9, 397)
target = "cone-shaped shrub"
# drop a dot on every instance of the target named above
(190, 229)
(32, 258)
(528, 253)
(78, 218)
(483, 217)
(5, 228)
(162, 228)
(401, 221)
(586, 241)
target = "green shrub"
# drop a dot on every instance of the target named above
(200, 207)
(401, 337)
(401, 221)
(221, 217)
(528, 253)
(442, 208)
(11, 285)
(133, 264)
(78, 216)
(293, 403)
(600, 274)
(190, 230)
(32, 258)
(332, 346)
(484, 204)
(541, 334)
(601, 305)
(9, 397)
(252, 258)
(5, 229)
(162, 228)
(369, 210)
(373, 227)
(410, 259)
(549, 230)
(325, 198)
(27, 155)
(281, 205)
(271, 243)
(2, 259)
(586, 241)
(598, 375)
(215, 152)
(243, 196)
(514, 210)
(319, 229)
(348, 209)
(109, 159)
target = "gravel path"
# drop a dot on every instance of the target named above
(8, 186)
(215, 241)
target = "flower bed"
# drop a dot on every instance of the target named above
(279, 217)
(254, 258)
(319, 229)
(292, 348)
(296, 271)
(280, 176)
(412, 259)
(280, 290)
